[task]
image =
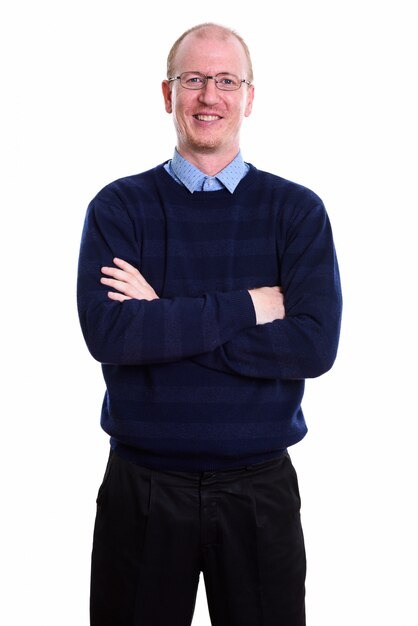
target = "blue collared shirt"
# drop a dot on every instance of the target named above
(188, 175)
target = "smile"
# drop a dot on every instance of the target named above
(207, 118)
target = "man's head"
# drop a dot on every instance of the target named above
(208, 120)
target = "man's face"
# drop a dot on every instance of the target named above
(208, 120)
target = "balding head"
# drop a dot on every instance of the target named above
(208, 30)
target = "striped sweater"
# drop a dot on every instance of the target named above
(192, 384)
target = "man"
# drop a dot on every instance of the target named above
(209, 291)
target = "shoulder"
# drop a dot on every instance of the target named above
(130, 188)
(287, 189)
(291, 201)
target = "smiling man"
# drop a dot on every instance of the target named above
(208, 112)
(209, 290)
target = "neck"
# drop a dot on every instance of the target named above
(207, 162)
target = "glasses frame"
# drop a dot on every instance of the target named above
(206, 78)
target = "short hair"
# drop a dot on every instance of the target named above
(208, 26)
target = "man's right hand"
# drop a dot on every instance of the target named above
(268, 304)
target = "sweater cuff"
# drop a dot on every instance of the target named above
(238, 312)
(246, 308)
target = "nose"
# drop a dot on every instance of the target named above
(209, 94)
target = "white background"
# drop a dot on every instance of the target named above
(335, 110)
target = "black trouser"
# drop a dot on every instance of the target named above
(155, 531)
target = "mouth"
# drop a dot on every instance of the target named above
(207, 118)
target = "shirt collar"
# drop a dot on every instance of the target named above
(195, 180)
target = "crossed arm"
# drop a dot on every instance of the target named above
(128, 283)
(244, 332)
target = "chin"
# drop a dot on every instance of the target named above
(205, 145)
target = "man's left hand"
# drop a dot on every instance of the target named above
(127, 281)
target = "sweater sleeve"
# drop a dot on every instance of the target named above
(139, 331)
(304, 344)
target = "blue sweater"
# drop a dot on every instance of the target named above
(192, 383)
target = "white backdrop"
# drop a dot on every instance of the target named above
(335, 110)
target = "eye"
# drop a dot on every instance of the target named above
(228, 81)
(193, 79)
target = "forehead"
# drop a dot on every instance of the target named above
(210, 52)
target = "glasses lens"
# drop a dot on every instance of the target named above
(192, 80)
(227, 82)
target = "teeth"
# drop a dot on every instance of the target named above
(208, 118)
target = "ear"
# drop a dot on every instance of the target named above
(250, 98)
(168, 102)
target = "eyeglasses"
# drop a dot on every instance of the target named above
(197, 80)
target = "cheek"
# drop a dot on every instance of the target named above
(180, 120)
(178, 116)
(241, 112)
(241, 109)
(181, 109)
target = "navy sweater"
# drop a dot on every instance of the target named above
(191, 382)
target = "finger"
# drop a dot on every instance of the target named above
(128, 290)
(129, 270)
(124, 265)
(119, 285)
(117, 274)
(119, 297)
(134, 277)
